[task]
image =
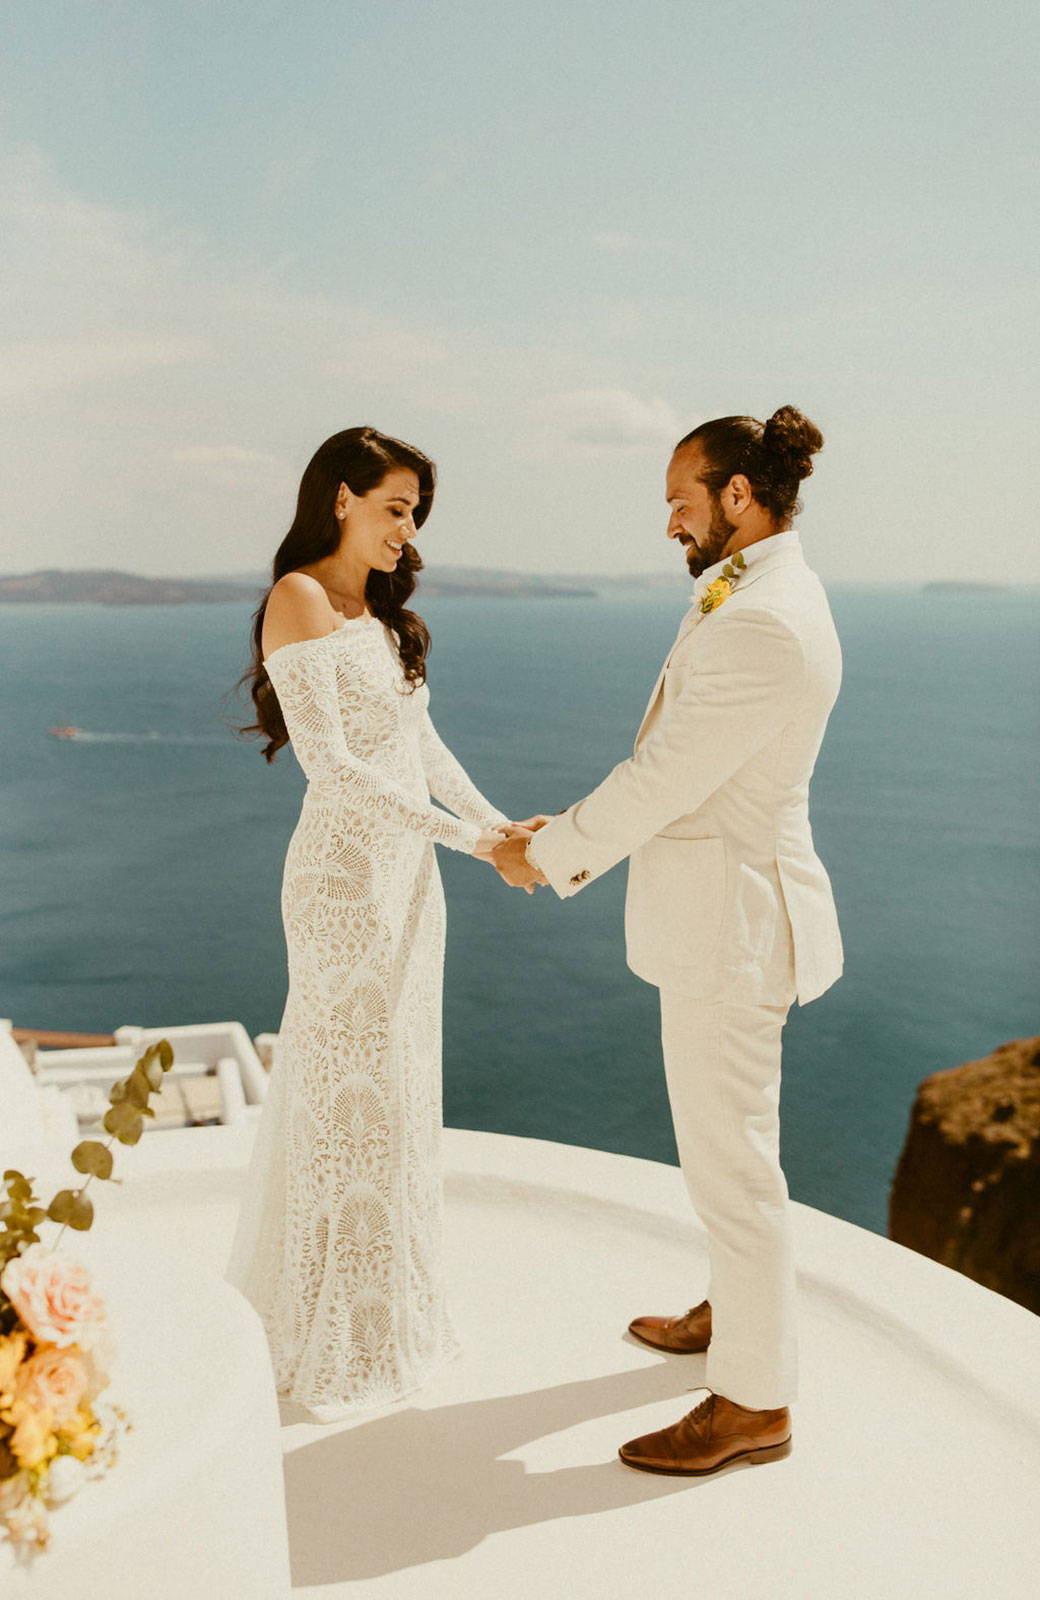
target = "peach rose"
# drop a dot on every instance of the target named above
(54, 1297)
(55, 1378)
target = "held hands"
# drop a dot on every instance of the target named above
(510, 862)
(492, 837)
(509, 859)
(507, 856)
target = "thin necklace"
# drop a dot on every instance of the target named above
(342, 595)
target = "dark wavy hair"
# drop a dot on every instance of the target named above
(360, 458)
(774, 456)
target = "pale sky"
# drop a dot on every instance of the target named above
(539, 241)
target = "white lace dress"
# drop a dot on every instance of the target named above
(338, 1244)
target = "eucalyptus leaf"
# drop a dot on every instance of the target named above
(81, 1213)
(117, 1092)
(125, 1121)
(60, 1208)
(138, 1088)
(165, 1053)
(153, 1072)
(94, 1157)
(19, 1187)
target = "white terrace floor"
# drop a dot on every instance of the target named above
(916, 1464)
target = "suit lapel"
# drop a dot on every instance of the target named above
(689, 622)
(790, 555)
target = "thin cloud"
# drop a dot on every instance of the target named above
(137, 349)
(33, 366)
(610, 420)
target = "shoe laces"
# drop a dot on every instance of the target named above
(703, 1407)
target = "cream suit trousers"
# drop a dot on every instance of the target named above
(722, 1064)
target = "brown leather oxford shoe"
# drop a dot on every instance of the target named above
(684, 1335)
(711, 1436)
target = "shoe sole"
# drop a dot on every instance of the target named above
(670, 1349)
(773, 1452)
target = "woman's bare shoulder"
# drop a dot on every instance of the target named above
(297, 608)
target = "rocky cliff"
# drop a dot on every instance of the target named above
(967, 1188)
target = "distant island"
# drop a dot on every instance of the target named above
(109, 588)
(54, 586)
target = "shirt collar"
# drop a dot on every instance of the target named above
(752, 553)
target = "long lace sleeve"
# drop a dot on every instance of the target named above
(304, 679)
(449, 782)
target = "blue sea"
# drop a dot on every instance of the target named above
(140, 866)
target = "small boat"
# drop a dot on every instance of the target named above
(64, 733)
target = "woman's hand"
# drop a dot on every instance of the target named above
(532, 823)
(489, 839)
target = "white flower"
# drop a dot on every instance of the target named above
(113, 1424)
(22, 1516)
(65, 1477)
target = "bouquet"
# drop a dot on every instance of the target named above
(56, 1430)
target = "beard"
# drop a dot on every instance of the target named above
(708, 550)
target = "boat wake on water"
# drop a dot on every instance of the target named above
(83, 736)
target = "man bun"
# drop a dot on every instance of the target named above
(774, 456)
(790, 437)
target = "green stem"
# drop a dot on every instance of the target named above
(81, 1191)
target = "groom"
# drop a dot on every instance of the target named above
(729, 910)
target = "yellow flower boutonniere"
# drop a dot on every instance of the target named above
(721, 588)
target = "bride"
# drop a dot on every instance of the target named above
(338, 1240)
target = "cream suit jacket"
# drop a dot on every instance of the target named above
(727, 898)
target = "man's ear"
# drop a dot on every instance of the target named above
(738, 493)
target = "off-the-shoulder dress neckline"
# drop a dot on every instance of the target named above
(365, 620)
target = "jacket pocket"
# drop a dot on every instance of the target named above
(676, 904)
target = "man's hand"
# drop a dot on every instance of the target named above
(534, 823)
(508, 860)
